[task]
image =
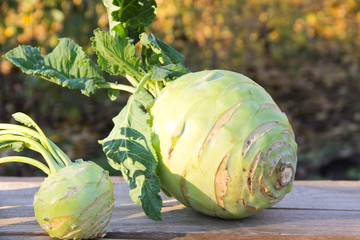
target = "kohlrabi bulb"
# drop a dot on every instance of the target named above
(226, 148)
(75, 202)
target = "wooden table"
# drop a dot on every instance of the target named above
(313, 210)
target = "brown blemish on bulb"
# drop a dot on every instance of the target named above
(71, 191)
(276, 145)
(55, 223)
(258, 132)
(252, 171)
(265, 191)
(270, 106)
(183, 187)
(290, 133)
(248, 207)
(169, 153)
(178, 132)
(222, 178)
(273, 164)
(220, 122)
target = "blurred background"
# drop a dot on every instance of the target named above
(304, 53)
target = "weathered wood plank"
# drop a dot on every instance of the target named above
(332, 195)
(313, 210)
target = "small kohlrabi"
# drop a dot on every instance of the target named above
(76, 200)
(215, 140)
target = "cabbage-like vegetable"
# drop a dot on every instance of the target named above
(226, 148)
(76, 200)
(215, 140)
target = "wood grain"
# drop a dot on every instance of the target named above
(313, 210)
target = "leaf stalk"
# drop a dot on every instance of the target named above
(26, 160)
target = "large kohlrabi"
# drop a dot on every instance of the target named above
(215, 140)
(76, 200)
(227, 150)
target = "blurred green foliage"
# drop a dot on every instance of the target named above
(303, 52)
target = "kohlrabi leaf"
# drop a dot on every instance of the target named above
(116, 55)
(129, 18)
(150, 196)
(158, 52)
(144, 98)
(113, 94)
(16, 146)
(24, 119)
(128, 148)
(168, 72)
(67, 65)
(162, 60)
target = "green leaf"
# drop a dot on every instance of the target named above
(157, 51)
(113, 94)
(24, 119)
(128, 148)
(168, 72)
(16, 146)
(144, 98)
(162, 60)
(116, 55)
(129, 18)
(67, 65)
(151, 197)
